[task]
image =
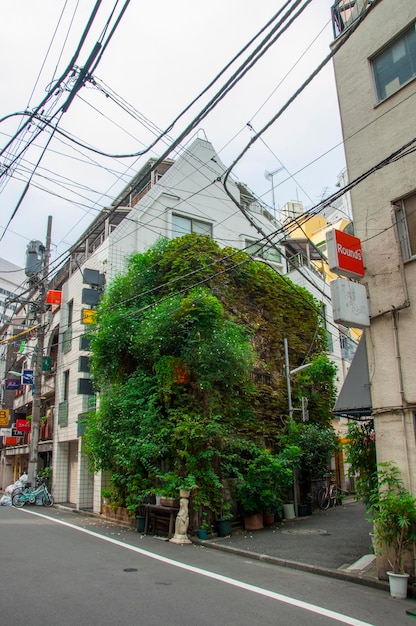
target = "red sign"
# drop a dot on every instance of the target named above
(23, 426)
(11, 441)
(345, 256)
(53, 297)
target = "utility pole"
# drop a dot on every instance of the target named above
(38, 360)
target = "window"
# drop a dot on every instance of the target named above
(268, 253)
(406, 226)
(185, 225)
(395, 65)
(66, 385)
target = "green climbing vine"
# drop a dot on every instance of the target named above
(188, 358)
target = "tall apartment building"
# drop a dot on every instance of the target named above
(375, 72)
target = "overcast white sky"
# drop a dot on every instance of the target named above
(161, 56)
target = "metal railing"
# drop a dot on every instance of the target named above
(345, 12)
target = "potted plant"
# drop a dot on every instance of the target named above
(262, 485)
(203, 527)
(107, 495)
(393, 512)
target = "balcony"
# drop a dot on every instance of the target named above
(345, 12)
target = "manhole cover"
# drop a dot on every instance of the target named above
(316, 531)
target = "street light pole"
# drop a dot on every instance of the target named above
(288, 385)
(38, 362)
(288, 373)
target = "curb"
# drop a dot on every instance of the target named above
(305, 567)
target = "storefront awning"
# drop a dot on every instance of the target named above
(354, 400)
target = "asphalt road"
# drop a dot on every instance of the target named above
(58, 568)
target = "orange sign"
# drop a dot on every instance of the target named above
(345, 256)
(53, 297)
(11, 441)
(4, 417)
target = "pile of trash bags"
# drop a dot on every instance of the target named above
(6, 498)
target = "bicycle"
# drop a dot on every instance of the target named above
(40, 493)
(329, 494)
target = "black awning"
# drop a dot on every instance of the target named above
(354, 400)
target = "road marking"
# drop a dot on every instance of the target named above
(313, 608)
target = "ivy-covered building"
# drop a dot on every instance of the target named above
(162, 202)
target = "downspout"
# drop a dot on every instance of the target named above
(404, 401)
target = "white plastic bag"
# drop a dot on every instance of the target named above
(5, 500)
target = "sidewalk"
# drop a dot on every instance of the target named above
(333, 543)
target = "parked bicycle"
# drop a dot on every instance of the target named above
(31, 496)
(328, 495)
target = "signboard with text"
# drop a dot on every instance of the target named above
(89, 316)
(27, 377)
(23, 425)
(13, 384)
(345, 255)
(4, 417)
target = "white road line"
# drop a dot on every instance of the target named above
(344, 619)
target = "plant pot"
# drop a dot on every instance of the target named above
(268, 519)
(202, 533)
(184, 493)
(169, 501)
(398, 585)
(289, 511)
(140, 523)
(254, 521)
(224, 527)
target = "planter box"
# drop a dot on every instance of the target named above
(169, 501)
(118, 515)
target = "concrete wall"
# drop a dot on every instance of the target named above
(372, 131)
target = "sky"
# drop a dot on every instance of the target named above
(160, 57)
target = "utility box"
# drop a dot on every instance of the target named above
(35, 256)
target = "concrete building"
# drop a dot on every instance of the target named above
(375, 72)
(165, 199)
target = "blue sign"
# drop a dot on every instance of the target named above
(13, 384)
(27, 377)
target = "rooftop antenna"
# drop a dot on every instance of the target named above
(269, 176)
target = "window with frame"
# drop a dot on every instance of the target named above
(395, 65)
(406, 226)
(65, 385)
(184, 225)
(266, 252)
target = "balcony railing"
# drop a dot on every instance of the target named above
(345, 12)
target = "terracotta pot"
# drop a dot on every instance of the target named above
(254, 521)
(182, 376)
(268, 519)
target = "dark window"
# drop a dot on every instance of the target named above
(66, 385)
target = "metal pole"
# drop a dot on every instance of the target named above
(287, 370)
(290, 407)
(38, 362)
